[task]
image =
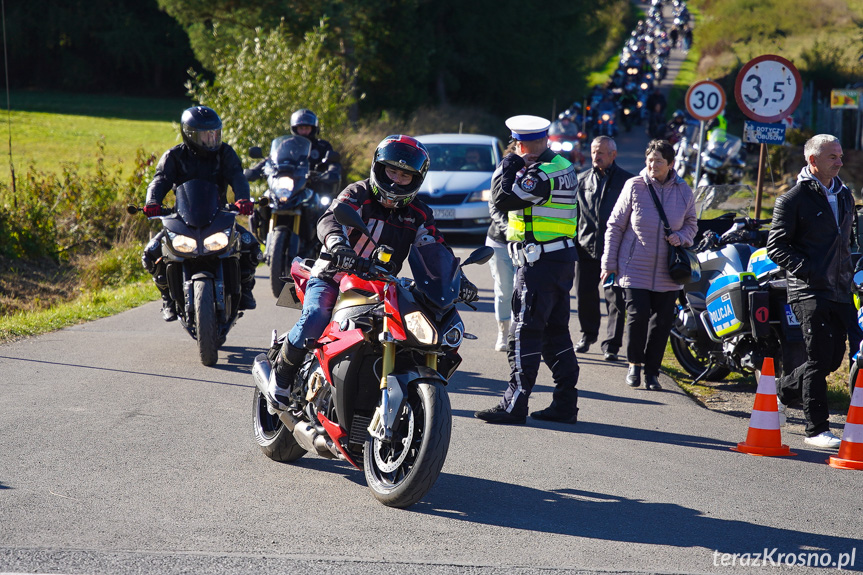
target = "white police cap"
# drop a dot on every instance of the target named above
(526, 128)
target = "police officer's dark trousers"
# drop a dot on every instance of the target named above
(540, 330)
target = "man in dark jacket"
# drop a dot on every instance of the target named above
(202, 155)
(811, 240)
(598, 190)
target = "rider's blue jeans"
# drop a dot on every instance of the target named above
(320, 299)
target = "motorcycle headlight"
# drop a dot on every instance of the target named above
(325, 200)
(480, 196)
(216, 242)
(421, 328)
(454, 336)
(626, 111)
(555, 146)
(184, 244)
(285, 182)
(566, 146)
(606, 117)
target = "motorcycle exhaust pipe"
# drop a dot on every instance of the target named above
(261, 370)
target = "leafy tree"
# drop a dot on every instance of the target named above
(259, 82)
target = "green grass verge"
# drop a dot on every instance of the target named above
(50, 130)
(86, 307)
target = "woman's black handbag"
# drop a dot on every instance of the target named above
(683, 266)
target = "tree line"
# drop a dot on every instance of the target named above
(503, 55)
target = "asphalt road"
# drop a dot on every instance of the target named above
(121, 453)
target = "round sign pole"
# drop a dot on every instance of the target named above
(704, 101)
(768, 89)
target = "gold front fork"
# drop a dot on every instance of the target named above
(431, 361)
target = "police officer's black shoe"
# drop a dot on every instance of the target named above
(168, 311)
(633, 378)
(555, 414)
(498, 414)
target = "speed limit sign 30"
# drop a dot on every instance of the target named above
(705, 100)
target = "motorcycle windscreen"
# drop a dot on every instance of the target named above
(436, 274)
(287, 153)
(197, 202)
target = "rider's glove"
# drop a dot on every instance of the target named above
(245, 207)
(152, 210)
(344, 257)
(467, 292)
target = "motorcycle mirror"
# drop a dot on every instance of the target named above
(479, 256)
(256, 152)
(130, 209)
(349, 217)
(858, 279)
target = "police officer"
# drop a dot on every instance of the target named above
(538, 189)
(202, 155)
(323, 160)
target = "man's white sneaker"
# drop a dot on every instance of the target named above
(782, 415)
(502, 335)
(824, 439)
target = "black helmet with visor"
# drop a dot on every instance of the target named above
(304, 117)
(402, 153)
(202, 130)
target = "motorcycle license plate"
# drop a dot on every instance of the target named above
(444, 213)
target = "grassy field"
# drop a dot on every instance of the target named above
(48, 130)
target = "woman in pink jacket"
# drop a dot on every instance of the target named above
(636, 254)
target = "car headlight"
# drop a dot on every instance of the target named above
(421, 328)
(184, 244)
(479, 196)
(216, 242)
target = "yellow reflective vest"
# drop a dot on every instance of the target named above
(557, 217)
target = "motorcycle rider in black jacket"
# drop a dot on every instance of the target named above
(811, 239)
(202, 155)
(322, 158)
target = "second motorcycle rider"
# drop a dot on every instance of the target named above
(389, 208)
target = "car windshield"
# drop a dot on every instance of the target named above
(461, 157)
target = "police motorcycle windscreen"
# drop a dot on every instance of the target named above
(197, 202)
(436, 274)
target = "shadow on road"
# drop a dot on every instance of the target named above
(607, 517)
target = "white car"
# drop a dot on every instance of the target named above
(458, 185)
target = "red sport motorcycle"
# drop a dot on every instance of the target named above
(373, 390)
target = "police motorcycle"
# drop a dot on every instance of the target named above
(290, 202)
(737, 313)
(723, 159)
(199, 243)
(373, 391)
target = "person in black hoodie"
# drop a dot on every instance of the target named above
(598, 190)
(811, 240)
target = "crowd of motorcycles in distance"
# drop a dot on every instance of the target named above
(626, 99)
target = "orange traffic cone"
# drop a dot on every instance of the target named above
(764, 437)
(850, 454)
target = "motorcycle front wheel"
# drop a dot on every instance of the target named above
(281, 237)
(694, 363)
(274, 439)
(401, 471)
(206, 329)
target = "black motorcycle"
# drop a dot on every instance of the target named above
(287, 211)
(200, 249)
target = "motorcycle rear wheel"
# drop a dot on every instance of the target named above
(693, 363)
(274, 439)
(400, 473)
(206, 329)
